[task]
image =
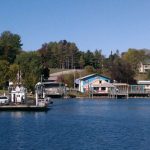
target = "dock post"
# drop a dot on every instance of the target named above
(127, 92)
(36, 98)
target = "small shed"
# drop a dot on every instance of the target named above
(18, 95)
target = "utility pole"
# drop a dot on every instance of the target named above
(41, 78)
(74, 77)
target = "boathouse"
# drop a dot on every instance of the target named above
(94, 82)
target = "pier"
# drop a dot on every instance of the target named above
(123, 90)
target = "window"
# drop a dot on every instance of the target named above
(146, 70)
(96, 88)
(103, 88)
(3, 97)
(145, 66)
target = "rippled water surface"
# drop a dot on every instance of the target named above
(79, 125)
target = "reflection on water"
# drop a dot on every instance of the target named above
(21, 114)
(79, 124)
(17, 114)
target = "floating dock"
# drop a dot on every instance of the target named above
(23, 108)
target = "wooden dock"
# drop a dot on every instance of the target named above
(23, 108)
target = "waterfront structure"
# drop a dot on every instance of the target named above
(103, 89)
(98, 85)
(121, 90)
(145, 84)
(93, 82)
(18, 94)
(18, 101)
(40, 96)
(52, 89)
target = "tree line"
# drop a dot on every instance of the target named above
(28, 66)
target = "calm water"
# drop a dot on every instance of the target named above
(79, 125)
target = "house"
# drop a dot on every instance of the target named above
(93, 82)
(144, 66)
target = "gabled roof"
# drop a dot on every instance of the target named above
(85, 77)
(90, 75)
(120, 84)
(82, 78)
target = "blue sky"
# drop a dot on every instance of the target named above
(91, 24)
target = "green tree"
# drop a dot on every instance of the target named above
(89, 70)
(81, 62)
(121, 71)
(89, 58)
(98, 59)
(62, 54)
(69, 80)
(10, 46)
(134, 57)
(31, 68)
(4, 72)
(14, 73)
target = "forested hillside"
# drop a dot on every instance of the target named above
(30, 65)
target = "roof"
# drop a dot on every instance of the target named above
(87, 76)
(91, 76)
(104, 85)
(144, 82)
(83, 78)
(120, 84)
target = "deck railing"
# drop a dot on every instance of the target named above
(126, 91)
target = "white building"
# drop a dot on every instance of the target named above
(144, 66)
(18, 95)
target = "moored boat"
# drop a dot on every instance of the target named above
(18, 100)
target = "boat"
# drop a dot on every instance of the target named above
(18, 100)
(53, 89)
